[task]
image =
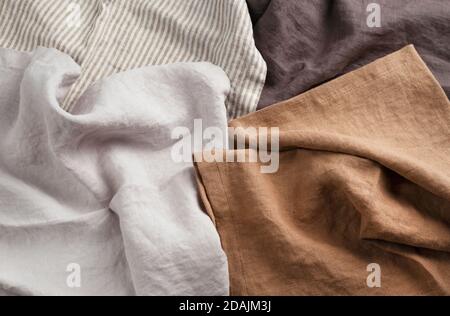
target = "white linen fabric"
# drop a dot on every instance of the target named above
(91, 203)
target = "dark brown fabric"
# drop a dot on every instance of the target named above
(308, 42)
(364, 178)
(257, 8)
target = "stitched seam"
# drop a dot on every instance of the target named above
(234, 228)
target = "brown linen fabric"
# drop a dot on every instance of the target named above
(364, 177)
(308, 42)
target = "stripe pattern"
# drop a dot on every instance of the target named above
(110, 36)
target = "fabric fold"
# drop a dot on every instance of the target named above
(94, 203)
(363, 178)
(112, 36)
(307, 43)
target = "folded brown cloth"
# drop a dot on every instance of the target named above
(364, 177)
(308, 42)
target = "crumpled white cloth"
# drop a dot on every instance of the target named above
(97, 189)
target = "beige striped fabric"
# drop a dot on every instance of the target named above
(109, 36)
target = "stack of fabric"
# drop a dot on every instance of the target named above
(121, 170)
